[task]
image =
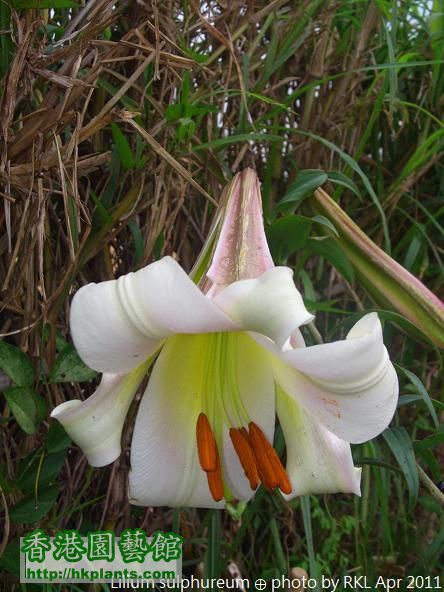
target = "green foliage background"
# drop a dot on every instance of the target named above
(120, 124)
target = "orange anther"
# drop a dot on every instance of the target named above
(270, 467)
(246, 456)
(260, 445)
(215, 483)
(209, 457)
(206, 444)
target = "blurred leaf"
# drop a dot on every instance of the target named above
(178, 111)
(158, 245)
(57, 439)
(27, 407)
(433, 464)
(100, 212)
(10, 560)
(28, 510)
(200, 58)
(287, 235)
(432, 441)
(123, 147)
(325, 222)
(186, 129)
(389, 284)
(308, 529)
(431, 555)
(130, 104)
(422, 392)
(384, 315)
(19, 4)
(6, 43)
(68, 367)
(408, 400)
(139, 244)
(324, 306)
(307, 181)
(16, 364)
(42, 473)
(357, 169)
(173, 112)
(309, 290)
(400, 444)
(212, 563)
(247, 137)
(330, 250)
(340, 179)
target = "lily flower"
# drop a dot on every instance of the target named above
(228, 357)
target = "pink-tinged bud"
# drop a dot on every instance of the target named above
(242, 251)
(236, 248)
(387, 282)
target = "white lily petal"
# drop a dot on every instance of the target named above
(117, 324)
(270, 305)
(350, 386)
(228, 377)
(317, 461)
(96, 424)
(165, 469)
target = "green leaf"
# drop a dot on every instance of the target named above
(29, 510)
(247, 137)
(408, 400)
(330, 250)
(306, 517)
(341, 179)
(10, 560)
(68, 367)
(158, 246)
(7, 47)
(200, 58)
(357, 169)
(287, 235)
(44, 473)
(173, 112)
(123, 147)
(186, 129)
(325, 222)
(27, 407)
(139, 243)
(422, 392)
(307, 181)
(212, 562)
(16, 364)
(400, 444)
(57, 439)
(179, 110)
(433, 441)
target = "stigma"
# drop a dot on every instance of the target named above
(258, 458)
